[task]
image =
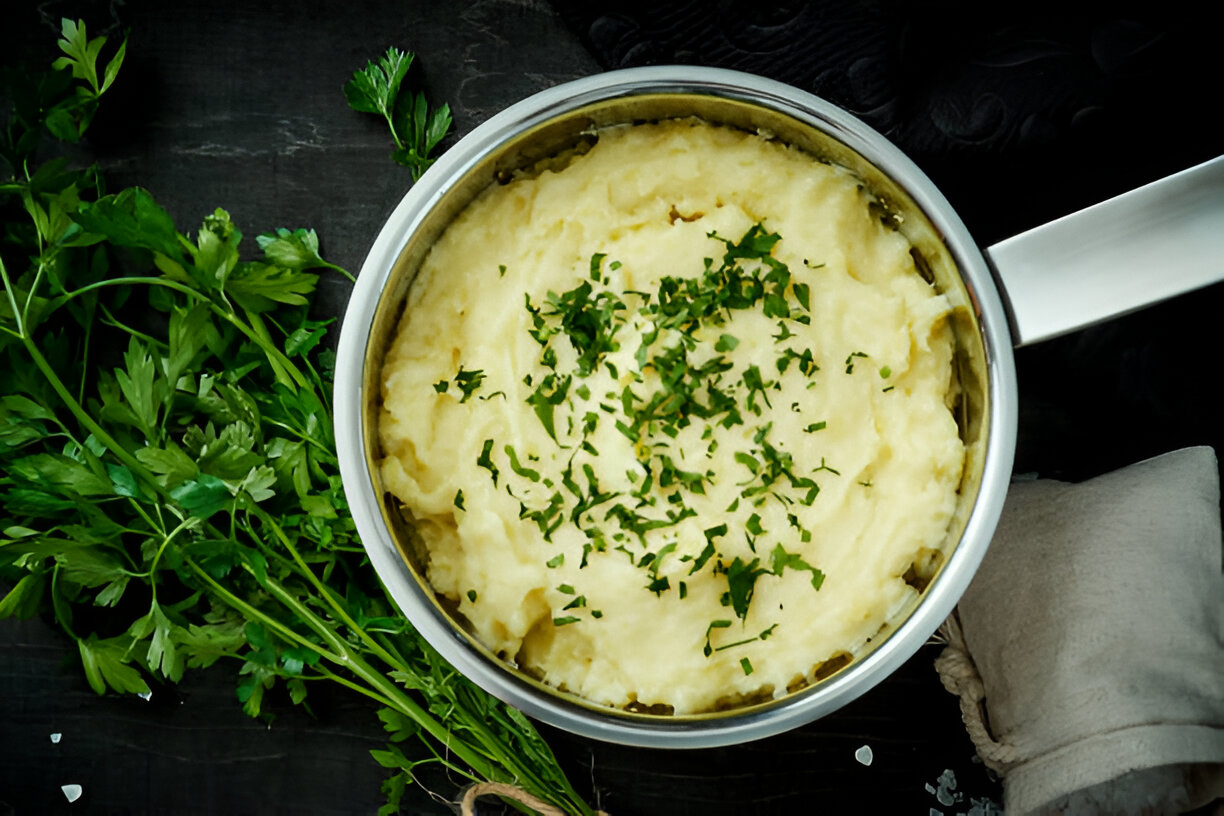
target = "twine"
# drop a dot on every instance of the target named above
(467, 804)
(960, 676)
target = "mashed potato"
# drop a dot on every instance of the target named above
(673, 421)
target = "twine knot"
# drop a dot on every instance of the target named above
(960, 676)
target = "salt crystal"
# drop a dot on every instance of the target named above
(72, 792)
(984, 807)
(947, 785)
(864, 755)
(56, 737)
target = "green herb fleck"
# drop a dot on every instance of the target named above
(708, 649)
(486, 462)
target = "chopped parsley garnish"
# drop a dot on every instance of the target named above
(783, 560)
(679, 374)
(486, 462)
(545, 399)
(525, 472)
(467, 381)
(717, 624)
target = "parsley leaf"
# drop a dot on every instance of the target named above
(416, 126)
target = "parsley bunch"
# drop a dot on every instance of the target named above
(169, 488)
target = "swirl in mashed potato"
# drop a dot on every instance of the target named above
(673, 421)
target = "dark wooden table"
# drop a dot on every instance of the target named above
(1019, 119)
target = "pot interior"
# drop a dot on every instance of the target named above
(549, 140)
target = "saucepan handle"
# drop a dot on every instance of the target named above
(1148, 245)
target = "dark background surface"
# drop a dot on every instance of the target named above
(1019, 113)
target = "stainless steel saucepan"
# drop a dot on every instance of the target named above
(1148, 245)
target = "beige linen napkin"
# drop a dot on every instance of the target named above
(1088, 651)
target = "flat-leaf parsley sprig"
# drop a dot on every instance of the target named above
(169, 486)
(416, 126)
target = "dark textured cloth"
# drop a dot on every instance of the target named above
(978, 94)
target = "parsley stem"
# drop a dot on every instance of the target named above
(25, 309)
(324, 590)
(286, 371)
(56, 602)
(8, 290)
(255, 614)
(86, 347)
(151, 574)
(352, 660)
(477, 726)
(382, 689)
(327, 674)
(83, 417)
(109, 319)
(300, 434)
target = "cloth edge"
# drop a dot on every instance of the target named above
(1041, 780)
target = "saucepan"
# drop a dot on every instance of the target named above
(1148, 245)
